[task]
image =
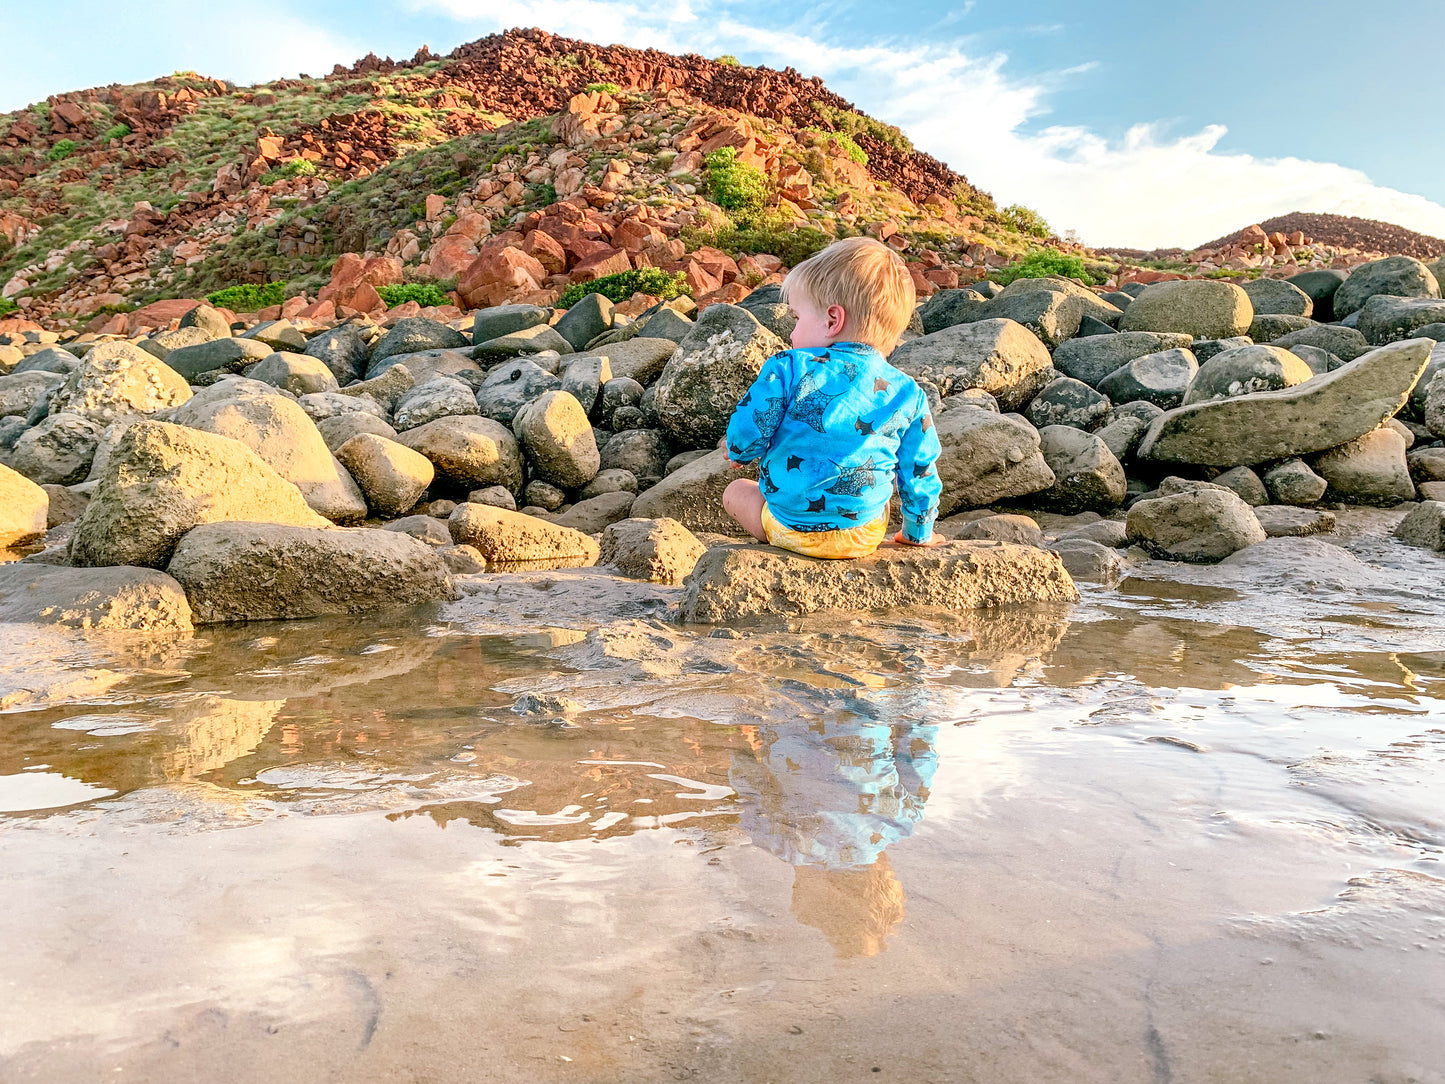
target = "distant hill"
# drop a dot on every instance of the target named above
(1346, 232)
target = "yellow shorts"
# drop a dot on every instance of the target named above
(845, 543)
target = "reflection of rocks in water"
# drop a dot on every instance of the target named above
(855, 908)
(1163, 652)
(212, 731)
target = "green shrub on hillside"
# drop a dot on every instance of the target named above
(1026, 221)
(728, 59)
(7, 306)
(62, 150)
(606, 88)
(773, 235)
(249, 297)
(1044, 262)
(845, 143)
(120, 131)
(425, 294)
(856, 124)
(735, 185)
(621, 286)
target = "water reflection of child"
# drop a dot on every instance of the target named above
(828, 798)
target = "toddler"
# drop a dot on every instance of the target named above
(830, 422)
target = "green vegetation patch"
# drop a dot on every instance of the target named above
(62, 150)
(425, 294)
(853, 123)
(7, 306)
(735, 186)
(606, 88)
(1025, 220)
(845, 142)
(621, 286)
(727, 59)
(773, 235)
(120, 131)
(249, 297)
(1044, 262)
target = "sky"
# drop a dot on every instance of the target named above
(1139, 123)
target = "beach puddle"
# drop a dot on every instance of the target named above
(1177, 832)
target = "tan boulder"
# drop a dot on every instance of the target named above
(511, 541)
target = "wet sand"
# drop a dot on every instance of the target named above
(1188, 830)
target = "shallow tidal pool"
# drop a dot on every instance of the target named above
(1190, 829)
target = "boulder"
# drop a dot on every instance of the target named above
(117, 378)
(296, 373)
(162, 343)
(532, 340)
(265, 572)
(1089, 561)
(1245, 484)
(410, 335)
(1427, 464)
(741, 581)
(1370, 469)
(1106, 532)
(1321, 413)
(19, 393)
(1293, 483)
(643, 452)
(617, 393)
(343, 350)
(1087, 476)
(986, 457)
(666, 323)
(1401, 276)
(510, 387)
(543, 495)
(1246, 369)
(1092, 359)
(948, 308)
(1122, 436)
(57, 451)
(426, 529)
(586, 320)
(512, 542)
(640, 359)
(1345, 343)
(1433, 411)
(1161, 379)
(1001, 357)
(49, 359)
(338, 430)
(209, 320)
(217, 356)
(441, 397)
(391, 476)
(108, 599)
(1204, 349)
(583, 379)
(496, 496)
(1091, 305)
(592, 515)
(1420, 394)
(162, 480)
(469, 451)
(1067, 401)
(1320, 287)
(1282, 521)
(1204, 308)
(277, 334)
(1424, 526)
(279, 431)
(612, 480)
(1278, 297)
(1386, 318)
(1204, 526)
(557, 437)
(656, 550)
(66, 505)
(501, 320)
(23, 508)
(692, 494)
(714, 364)
(1319, 361)
(1269, 327)
(321, 405)
(1049, 313)
(997, 528)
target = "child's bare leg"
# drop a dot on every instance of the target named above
(743, 500)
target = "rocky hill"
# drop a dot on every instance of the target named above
(1365, 234)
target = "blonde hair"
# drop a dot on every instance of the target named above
(868, 279)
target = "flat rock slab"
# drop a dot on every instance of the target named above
(264, 572)
(732, 582)
(114, 598)
(1284, 521)
(516, 542)
(1324, 412)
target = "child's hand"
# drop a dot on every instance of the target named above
(935, 539)
(723, 447)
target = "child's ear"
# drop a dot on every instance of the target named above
(837, 317)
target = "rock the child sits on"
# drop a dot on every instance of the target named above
(831, 423)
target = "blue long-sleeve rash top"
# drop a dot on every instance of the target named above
(833, 427)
